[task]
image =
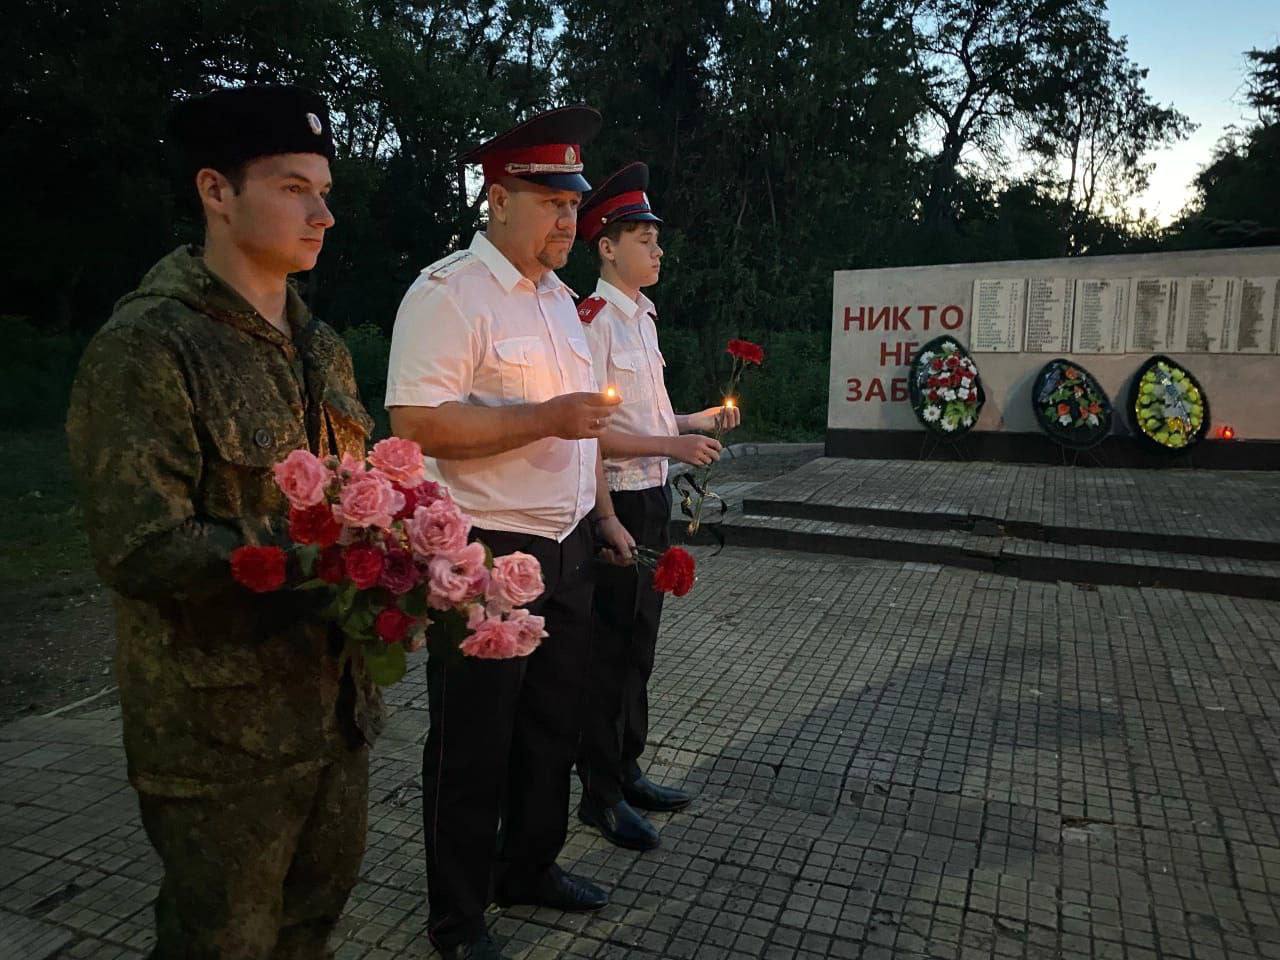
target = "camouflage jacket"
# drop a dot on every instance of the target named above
(183, 403)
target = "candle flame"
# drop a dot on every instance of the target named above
(728, 402)
(610, 392)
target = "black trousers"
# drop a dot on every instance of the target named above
(503, 736)
(625, 618)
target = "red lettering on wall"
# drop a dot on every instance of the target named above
(858, 320)
(898, 389)
(952, 311)
(926, 311)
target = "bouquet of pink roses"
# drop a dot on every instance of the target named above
(391, 550)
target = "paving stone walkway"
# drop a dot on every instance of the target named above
(893, 761)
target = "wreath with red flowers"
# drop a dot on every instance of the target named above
(944, 387)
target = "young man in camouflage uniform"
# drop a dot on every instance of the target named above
(246, 729)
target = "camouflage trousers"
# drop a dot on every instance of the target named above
(264, 873)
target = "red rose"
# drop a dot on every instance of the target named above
(261, 569)
(1064, 409)
(746, 351)
(393, 624)
(936, 365)
(399, 572)
(314, 525)
(933, 396)
(329, 566)
(674, 572)
(363, 565)
(422, 495)
(951, 363)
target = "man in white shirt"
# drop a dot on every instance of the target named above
(490, 373)
(618, 223)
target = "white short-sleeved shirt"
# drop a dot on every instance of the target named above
(624, 352)
(473, 329)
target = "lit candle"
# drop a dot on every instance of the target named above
(611, 392)
(728, 403)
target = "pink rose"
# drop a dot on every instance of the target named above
(368, 500)
(350, 466)
(456, 576)
(532, 630)
(399, 460)
(438, 528)
(515, 580)
(492, 638)
(399, 572)
(302, 478)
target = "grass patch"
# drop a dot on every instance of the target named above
(41, 529)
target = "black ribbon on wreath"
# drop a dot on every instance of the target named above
(686, 487)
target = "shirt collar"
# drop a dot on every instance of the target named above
(504, 271)
(629, 308)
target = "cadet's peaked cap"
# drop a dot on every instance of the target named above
(545, 149)
(228, 127)
(621, 198)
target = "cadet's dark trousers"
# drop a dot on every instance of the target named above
(501, 743)
(261, 873)
(625, 616)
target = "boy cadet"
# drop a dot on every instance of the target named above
(618, 223)
(246, 729)
(489, 372)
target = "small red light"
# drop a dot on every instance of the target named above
(1227, 433)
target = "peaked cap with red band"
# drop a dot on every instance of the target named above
(621, 198)
(545, 149)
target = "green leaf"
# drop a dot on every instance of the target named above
(307, 558)
(387, 665)
(312, 584)
(414, 603)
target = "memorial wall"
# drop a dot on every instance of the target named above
(1215, 313)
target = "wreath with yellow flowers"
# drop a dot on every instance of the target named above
(1169, 407)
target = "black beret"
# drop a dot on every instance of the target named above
(231, 126)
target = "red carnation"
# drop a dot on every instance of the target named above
(314, 525)
(393, 624)
(674, 572)
(933, 396)
(952, 362)
(261, 569)
(329, 566)
(746, 351)
(936, 365)
(363, 565)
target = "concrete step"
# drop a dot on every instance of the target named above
(1011, 556)
(1219, 513)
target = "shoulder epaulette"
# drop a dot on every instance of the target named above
(589, 307)
(450, 264)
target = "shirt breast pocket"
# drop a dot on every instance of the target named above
(522, 365)
(584, 377)
(628, 372)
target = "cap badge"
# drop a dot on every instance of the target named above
(569, 155)
(314, 123)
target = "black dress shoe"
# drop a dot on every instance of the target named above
(644, 794)
(620, 824)
(482, 948)
(558, 890)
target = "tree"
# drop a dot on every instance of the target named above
(984, 64)
(1092, 125)
(1238, 193)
